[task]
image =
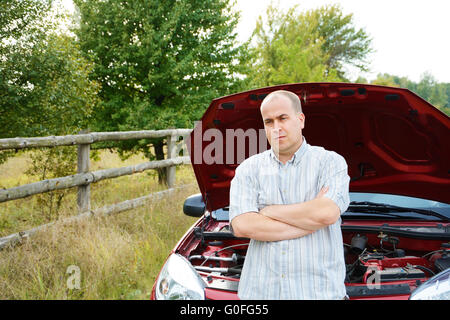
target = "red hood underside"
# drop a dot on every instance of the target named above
(393, 141)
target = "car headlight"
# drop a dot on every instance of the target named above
(178, 280)
(436, 288)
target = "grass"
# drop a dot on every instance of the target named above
(118, 257)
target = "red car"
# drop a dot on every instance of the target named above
(396, 231)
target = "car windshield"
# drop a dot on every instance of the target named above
(396, 200)
(420, 207)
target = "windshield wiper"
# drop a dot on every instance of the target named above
(364, 211)
(374, 207)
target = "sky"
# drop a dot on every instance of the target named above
(409, 37)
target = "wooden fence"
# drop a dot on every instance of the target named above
(85, 177)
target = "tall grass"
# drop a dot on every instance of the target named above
(118, 257)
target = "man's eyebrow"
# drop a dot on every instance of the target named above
(279, 116)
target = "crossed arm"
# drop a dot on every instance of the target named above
(283, 222)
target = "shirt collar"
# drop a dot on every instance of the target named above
(297, 155)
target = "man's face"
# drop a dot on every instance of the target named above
(283, 125)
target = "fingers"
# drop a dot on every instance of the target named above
(322, 192)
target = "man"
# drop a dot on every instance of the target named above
(288, 201)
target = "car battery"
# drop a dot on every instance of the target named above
(396, 274)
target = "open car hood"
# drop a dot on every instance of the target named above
(394, 142)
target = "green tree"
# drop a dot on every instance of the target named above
(48, 91)
(19, 19)
(428, 88)
(343, 43)
(447, 91)
(315, 45)
(45, 87)
(432, 91)
(385, 79)
(62, 101)
(446, 107)
(160, 63)
(19, 32)
(44, 79)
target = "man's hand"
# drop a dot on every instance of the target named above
(322, 192)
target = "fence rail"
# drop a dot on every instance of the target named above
(87, 138)
(85, 177)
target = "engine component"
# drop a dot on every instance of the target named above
(372, 256)
(358, 244)
(218, 270)
(443, 263)
(400, 253)
(234, 258)
(395, 274)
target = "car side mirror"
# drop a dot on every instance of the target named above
(194, 206)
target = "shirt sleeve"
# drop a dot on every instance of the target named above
(336, 177)
(243, 192)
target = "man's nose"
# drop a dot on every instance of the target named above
(276, 130)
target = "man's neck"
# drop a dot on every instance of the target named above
(284, 157)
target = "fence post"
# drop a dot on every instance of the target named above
(83, 166)
(171, 153)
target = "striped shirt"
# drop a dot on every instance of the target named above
(310, 267)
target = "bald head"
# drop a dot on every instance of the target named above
(292, 97)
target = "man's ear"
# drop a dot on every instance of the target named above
(302, 118)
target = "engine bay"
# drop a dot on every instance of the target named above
(370, 264)
(391, 264)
